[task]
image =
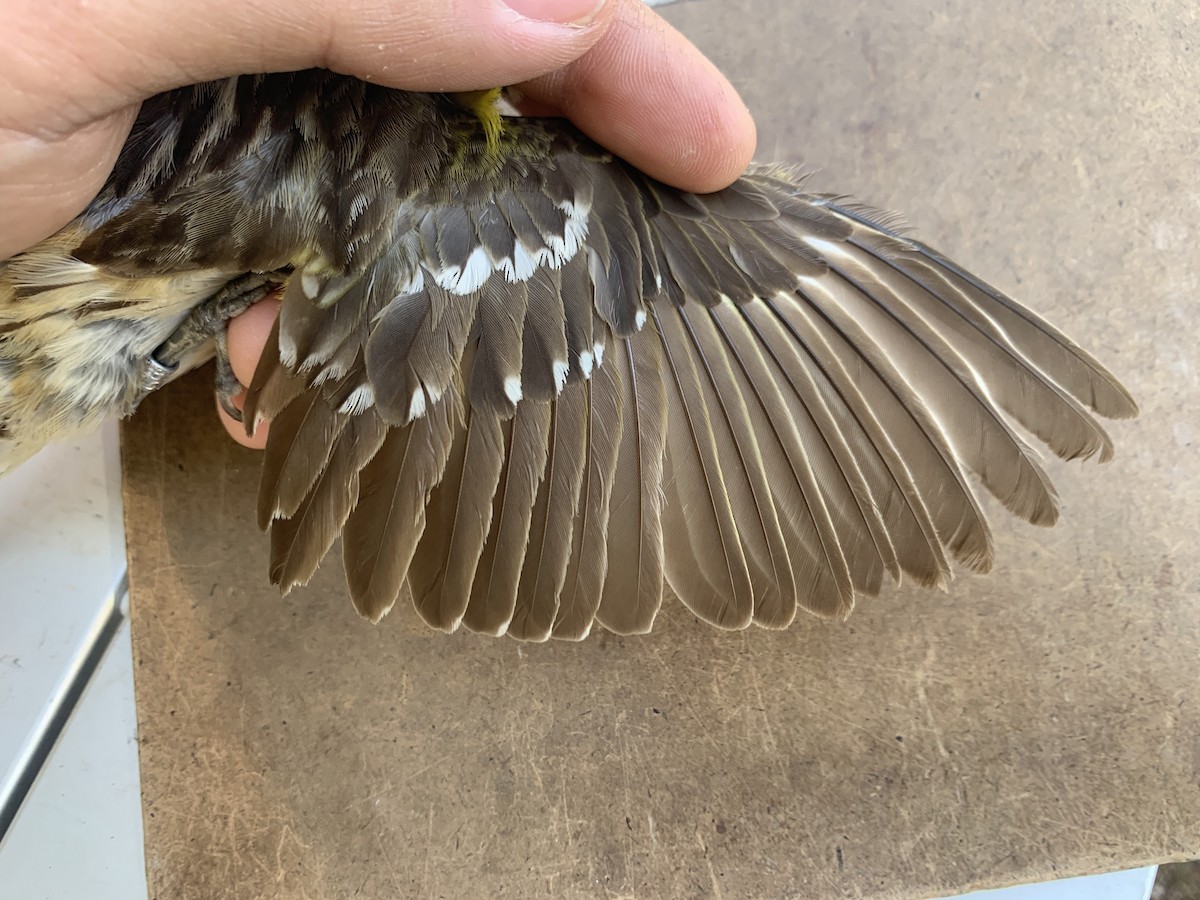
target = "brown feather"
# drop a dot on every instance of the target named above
(633, 589)
(892, 414)
(272, 388)
(878, 514)
(920, 358)
(544, 362)
(495, 383)
(743, 459)
(587, 569)
(831, 527)
(301, 440)
(458, 522)
(494, 592)
(552, 524)
(704, 561)
(382, 532)
(300, 542)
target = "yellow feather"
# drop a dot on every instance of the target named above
(484, 105)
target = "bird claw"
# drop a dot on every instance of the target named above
(227, 385)
(209, 321)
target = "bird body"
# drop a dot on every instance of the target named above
(535, 384)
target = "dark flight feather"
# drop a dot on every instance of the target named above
(588, 564)
(633, 588)
(553, 523)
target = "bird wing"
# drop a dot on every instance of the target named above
(550, 398)
(538, 385)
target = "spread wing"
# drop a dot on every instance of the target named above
(565, 385)
(537, 385)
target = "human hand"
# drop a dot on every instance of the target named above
(76, 75)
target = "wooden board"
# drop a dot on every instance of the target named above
(1039, 722)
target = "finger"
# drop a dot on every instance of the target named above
(62, 125)
(237, 431)
(127, 50)
(43, 184)
(647, 94)
(248, 334)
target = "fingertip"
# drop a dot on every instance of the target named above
(248, 335)
(650, 96)
(237, 430)
(721, 144)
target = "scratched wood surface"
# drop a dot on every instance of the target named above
(1039, 722)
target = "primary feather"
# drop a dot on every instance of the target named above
(536, 385)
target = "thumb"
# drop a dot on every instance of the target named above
(62, 125)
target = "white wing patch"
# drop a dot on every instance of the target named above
(416, 406)
(360, 399)
(512, 389)
(586, 362)
(561, 370)
(469, 278)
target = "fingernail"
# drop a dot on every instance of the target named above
(562, 12)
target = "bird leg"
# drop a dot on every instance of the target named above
(209, 321)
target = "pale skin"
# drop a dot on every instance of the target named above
(77, 71)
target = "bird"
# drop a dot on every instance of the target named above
(534, 388)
